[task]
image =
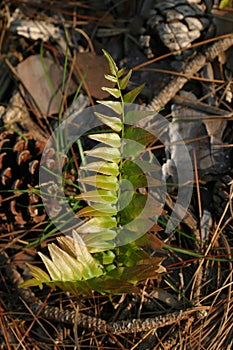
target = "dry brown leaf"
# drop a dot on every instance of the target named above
(96, 67)
(38, 81)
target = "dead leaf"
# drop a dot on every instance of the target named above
(38, 75)
(96, 67)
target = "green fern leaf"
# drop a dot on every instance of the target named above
(107, 168)
(106, 153)
(33, 282)
(38, 273)
(101, 181)
(105, 258)
(138, 135)
(139, 272)
(110, 78)
(112, 91)
(97, 224)
(131, 95)
(132, 117)
(90, 267)
(113, 122)
(139, 167)
(120, 73)
(124, 81)
(71, 269)
(116, 106)
(132, 149)
(97, 210)
(53, 270)
(110, 139)
(76, 288)
(112, 65)
(99, 196)
(97, 239)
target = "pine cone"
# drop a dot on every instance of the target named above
(19, 170)
(20, 199)
(179, 23)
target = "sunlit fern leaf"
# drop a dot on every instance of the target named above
(120, 73)
(97, 210)
(137, 226)
(97, 224)
(113, 122)
(91, 267)
(101, 181)
(116, 106)
(100, 241)
(112, 65)
(103, 167)
(33, 282)
(96, 247)
(114, 92)
(94, 238)
(111, 139)
(52, 268)
(39, 275)
(70, 267)
(117, 280)
(106, 153)
(99, 196)
(110, 77)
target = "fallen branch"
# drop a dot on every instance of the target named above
(192, 67)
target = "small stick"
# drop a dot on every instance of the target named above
(203, 107)
(192, 67)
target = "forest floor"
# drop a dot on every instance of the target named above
(51, 65)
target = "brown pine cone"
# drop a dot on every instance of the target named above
(20, 198)
(179, 23)
(19, 169)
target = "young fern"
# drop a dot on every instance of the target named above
(96, 257)
(100, 232)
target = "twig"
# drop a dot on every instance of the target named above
(192, 67)
(203, 107)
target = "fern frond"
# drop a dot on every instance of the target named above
(89, 259)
